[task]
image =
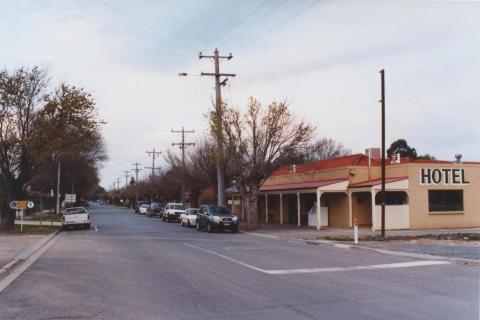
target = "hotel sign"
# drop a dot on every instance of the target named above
(443, 176)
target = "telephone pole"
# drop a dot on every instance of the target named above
(126, 178)
(118, 183)
(136, 164)
(154, 154)
(382, 74)
(182, 145)
(218, 117)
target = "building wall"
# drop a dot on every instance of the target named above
(420, 217)
(362, 210)
(337, 204)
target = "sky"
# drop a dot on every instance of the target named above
(323, 57)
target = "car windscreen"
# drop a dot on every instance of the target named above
(75, 211)
(193, 211)
(176, 206)
(157, 205)
(220, 211)
(145, 205)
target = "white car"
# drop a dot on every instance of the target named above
(143, 209)
(173, 211)
(189, 218)
(76, 216)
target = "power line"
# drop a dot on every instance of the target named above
(254, 23)
(242, 21)
(280, 24)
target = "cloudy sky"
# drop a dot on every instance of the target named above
(322, 56)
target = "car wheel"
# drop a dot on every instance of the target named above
(188, 224)
(163, 218)
(87, 226)
(235, 230)
(198, 226)
(210, 228)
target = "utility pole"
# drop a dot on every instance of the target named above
(154, 154)
(218, 115)
(118, 183)
(126, 178)
(382, 73)
(58, 188)
(136, 164)
(182, 145)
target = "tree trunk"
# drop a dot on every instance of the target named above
(252, 211)
(7, 216)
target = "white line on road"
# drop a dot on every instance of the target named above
(225, 257)
(319, 270)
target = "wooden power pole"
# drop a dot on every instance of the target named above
(382, 73)
(154, 155)
(136, 170)
(182, 145)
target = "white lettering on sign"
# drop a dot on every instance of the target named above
(443, 176)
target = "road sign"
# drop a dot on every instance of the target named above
(21, 205)
(70, 198)
(13, 204)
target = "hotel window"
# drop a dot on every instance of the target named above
(445, 200)
(392, 198)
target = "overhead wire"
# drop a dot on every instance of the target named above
(279, 4)
(242, 21)
(280, 24)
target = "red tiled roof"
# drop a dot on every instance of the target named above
(352, 160)
(374, 182)
(300, 185)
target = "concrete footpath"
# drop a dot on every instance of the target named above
(16, 248)
(456, 248)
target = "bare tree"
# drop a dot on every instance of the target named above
(324, 148)
(259, 142)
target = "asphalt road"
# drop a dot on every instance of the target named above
(135, 267)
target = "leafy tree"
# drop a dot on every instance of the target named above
(426, 156)
(401, 146)
(37, 129)
(259, 142)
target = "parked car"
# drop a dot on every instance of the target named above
(156, 209)
(76, 216)
(215, 218)
(173, 211)
(138, 205)
(189, 218)
(144, 209)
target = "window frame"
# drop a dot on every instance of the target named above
(446, 210)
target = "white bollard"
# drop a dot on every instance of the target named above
(355, 233)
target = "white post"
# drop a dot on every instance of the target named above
(319, 221)
(266, 208)
(281, 208)
(298, 209)
(355, 232)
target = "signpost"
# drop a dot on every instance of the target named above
(19, 207)
(70, 198)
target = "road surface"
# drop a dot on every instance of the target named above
(134, 267)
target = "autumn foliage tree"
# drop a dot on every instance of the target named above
(39, 128)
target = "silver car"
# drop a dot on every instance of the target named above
(189, 218)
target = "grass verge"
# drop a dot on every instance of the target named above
(27, 229)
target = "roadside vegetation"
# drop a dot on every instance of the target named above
(466, 236)
(43, 125)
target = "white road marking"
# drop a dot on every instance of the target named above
(320, 270)
(5, 282)
(225, 257)
(96, 229)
